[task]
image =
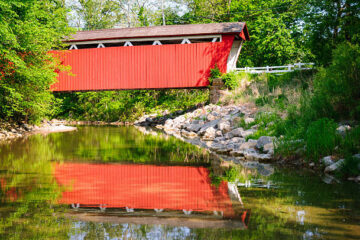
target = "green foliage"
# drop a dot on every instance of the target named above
(268, 124)
(321, 138)
(327, 24)
(29, 30)
(350, 167)
(337, 87)
(231, 80)
(214, 73)
(232, 174)
(125, 105)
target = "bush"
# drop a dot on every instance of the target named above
(214, 73)
(321, 138)
(230, 80)
(337, 88)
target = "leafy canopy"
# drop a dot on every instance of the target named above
(29, 29)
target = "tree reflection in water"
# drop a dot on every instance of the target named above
(29, 192)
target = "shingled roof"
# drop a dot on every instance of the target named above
(162, 31)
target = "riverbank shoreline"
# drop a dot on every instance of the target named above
(231, 132)
(11, 131)
(227, 131)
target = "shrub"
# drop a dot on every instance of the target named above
(337, 88)
(321, 138)
(214, 73)
(230, 80)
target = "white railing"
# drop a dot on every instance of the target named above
(277, 69)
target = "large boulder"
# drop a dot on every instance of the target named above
(262, 141)
(327, 161)
(335, 166)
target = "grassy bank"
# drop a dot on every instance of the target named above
(304, 109)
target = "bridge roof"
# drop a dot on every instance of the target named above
(162, 31)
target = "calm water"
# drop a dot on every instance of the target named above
(117, 183)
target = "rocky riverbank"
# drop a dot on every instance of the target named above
(218, 129)
(9, 131)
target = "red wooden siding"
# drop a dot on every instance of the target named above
(143, 67)
(142, 187)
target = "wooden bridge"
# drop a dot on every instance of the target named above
(177, 56)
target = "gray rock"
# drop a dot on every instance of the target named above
(255, 127)
(188, 134)
(193, 127)
(269, 148)
(209, 134)
(248, 133)
(249, 120)
(335, 166)
(208, 125)
(237, 153)
(262, 141)
(211, 117)
(219, 133)
(235, 111)
(169, 122)
(195, 122)
(327, 161)
(247, 145)
(179, 119)
(215, 146)
(224, 126)
(237, 132)
(237, 140)
(252, 155)
(343, 129)
(219, 139)
(328, 179)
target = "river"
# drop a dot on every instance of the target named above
(118, 183)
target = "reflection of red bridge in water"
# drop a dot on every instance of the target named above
(143, 187)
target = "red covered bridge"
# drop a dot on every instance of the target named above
(177, 56)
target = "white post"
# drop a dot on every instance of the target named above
(267, 69)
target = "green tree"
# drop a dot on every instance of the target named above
(327, 23)
(96, 14)
(29, 29)
(273, 27)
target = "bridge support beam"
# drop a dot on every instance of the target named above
(215, 90)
